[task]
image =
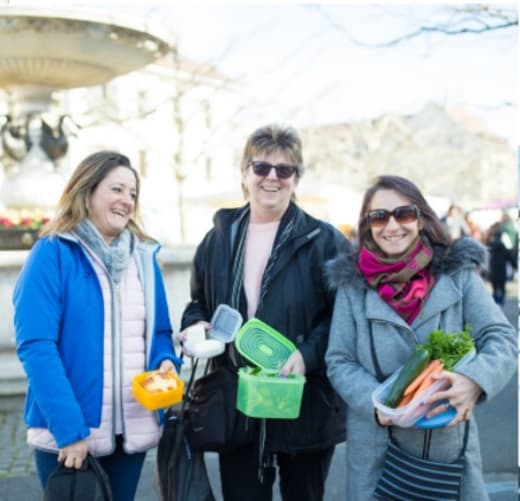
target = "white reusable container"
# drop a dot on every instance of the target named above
(225, 324)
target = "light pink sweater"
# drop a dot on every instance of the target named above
(259, 243)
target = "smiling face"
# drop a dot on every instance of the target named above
(269, 195)
(393, 238)
(112, 203)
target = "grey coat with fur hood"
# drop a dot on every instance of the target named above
(458, 297)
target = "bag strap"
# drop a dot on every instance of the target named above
(102, 476)
(191, 380)
(428, 432)
(189, 385)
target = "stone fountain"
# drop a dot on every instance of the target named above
(43, 50)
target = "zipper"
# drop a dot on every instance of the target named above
(304, 239)
(112, 306)
(117, 376)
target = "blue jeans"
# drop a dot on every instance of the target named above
(123, 469)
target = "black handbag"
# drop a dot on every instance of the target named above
(407, 477)
(213, 423)
(89, 483)
(182, 471)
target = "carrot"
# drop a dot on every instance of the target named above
(412, 387)
(405, 400)
(428, 381)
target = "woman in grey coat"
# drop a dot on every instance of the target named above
(407, 279)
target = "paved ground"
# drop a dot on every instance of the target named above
(498, 423)
(22, 484)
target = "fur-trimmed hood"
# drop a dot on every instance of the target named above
(462, 253)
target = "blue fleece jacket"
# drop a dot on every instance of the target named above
(59, 326)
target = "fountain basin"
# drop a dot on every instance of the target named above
(63, 48)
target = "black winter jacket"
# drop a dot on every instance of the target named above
(297, 303)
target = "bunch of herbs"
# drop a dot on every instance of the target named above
(449, 348)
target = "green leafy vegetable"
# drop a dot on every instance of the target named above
(449, 348)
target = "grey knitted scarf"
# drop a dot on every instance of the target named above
(115, 256)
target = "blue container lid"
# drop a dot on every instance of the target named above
(439, 420)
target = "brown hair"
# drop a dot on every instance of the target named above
(72, 206)
(432, 226)
(270, 139)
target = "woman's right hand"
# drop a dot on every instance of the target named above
(73, 455)
(185, 335)
(382, 420)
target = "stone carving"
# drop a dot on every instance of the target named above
(47, 49)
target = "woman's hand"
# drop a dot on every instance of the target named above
(462, 395)
(294, 364)
(382, 420)
(193, 333)
(166, 366)
(73, 455)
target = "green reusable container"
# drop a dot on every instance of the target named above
(262, 393)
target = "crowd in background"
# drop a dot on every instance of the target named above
(501, 240)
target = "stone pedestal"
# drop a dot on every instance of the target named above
(17, 239)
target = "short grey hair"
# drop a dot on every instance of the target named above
(274, 138)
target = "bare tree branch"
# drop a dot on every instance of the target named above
(483, 19)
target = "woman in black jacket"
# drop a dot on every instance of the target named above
(266, 260)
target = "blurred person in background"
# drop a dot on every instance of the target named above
(501, 259)
(474, 229)
(455, 222)
(266, 260)
(90, 313)
(509, 233)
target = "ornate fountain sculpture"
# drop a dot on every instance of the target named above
(50, 49)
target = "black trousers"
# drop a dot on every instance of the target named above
(302, 476)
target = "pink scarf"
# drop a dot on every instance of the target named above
(404, 282)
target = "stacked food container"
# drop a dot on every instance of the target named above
(262, 391)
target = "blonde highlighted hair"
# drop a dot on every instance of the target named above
(73, 204)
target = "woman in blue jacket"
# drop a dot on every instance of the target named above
(90, 313)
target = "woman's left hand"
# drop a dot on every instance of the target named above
(462, 394)
(294, 364)
(167, 365)
(73, 455)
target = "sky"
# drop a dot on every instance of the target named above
(309, 64)
(306, 64)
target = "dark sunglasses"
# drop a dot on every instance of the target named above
(283, 171)
(404, 214)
